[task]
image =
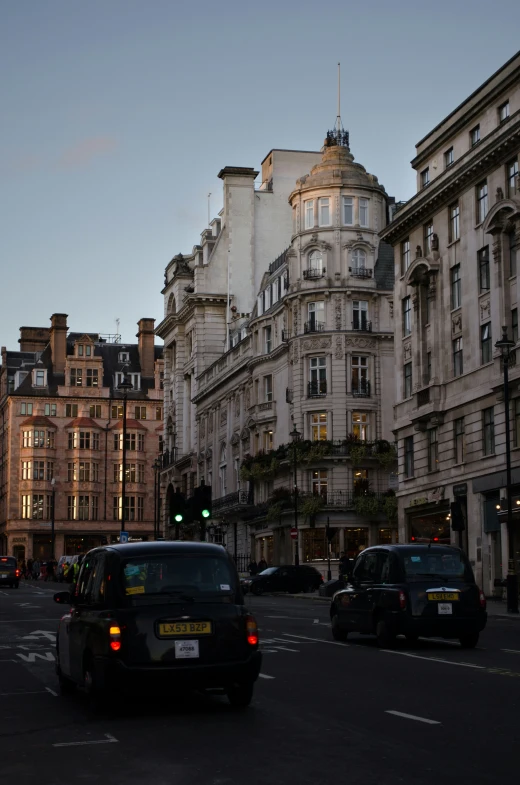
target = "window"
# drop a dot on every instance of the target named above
(76, 377)
(407, 316)
(26, 408)
(516, 415)
(359, 314)
(71, 472)
(428, 237)
(456, 293)
(318, 426)
(488, 431)
(458, 439)
(117, 412)
(454, 228)
(267, 298)
(26, 470)
(222, 472)
(512, 174)
(408, 457)
(39, 439)
(405, 255)
(95, 410)
(448, 158)
(485, 343)
(360, 384)
(39, 470)
(140, 442)
(92, 377)
(49, 440)
(94, 507)
(260, 304)
(360, 425)
(140, 472)
(425, 177)
(316, 314)
(407, 380)
(71, 410)
(50, 410)
(84, 471)
(38, 510)
(124, 357)
(73, 440)
(512, 254)
(483, 269)
(324, 211)
(318, 376)
(482, 201)
(514, 324)
(140, 508)
(503, 112)
(428, 366)
(458, 365)
(83, 508)
(363, 212)
(309, 214)
(158, 413)
(433, 450)
(359, 259)
(268, 440)
(268, 388)
(135, 379)
(268, 343)
(319, 482)
(348, 210)
(80, 350)
(84, 440)
(140, 412)
(161, 380)
(474, 135)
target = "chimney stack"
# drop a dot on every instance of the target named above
(59, 341)
(146, 343)
(33, 339)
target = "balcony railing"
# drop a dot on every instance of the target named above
(313, 273)
(317, 389)
(423, 397)
(236, 499)
(168, 458)
(361, 389)
(362, 325)
(360, 272)
(313, 326)
(286, 334)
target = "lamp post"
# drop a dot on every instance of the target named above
(157, 465)
(505, 345)
(53, 499)
(125, 386)
(296, 436)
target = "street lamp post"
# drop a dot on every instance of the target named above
(505, 345)
(53, 499)
(125, 386)
(296, 436)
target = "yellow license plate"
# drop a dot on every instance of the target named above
(185, 628)
(443, 595)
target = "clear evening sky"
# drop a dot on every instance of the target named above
(118, 114)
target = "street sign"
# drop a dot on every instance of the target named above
(123, 537)
(461, 489)
(294, 533)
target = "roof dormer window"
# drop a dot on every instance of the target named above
(124, 357)
(19, 377)
(39, 377)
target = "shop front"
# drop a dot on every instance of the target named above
(430, 524)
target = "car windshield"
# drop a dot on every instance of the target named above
(428, 563)
(269, 571)
(183, 576)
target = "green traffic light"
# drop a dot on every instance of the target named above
(178, 518)
(205, 513)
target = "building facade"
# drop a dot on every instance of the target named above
(456, 246)
(309, 347)
(61, 439)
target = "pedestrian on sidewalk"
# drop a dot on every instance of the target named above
(252, 567)
(50, 570)
(65, 571)
(344, 565)
(262, 565)
(36, 569)
(29, 573)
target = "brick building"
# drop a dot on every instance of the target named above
(61, 420)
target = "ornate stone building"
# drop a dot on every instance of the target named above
(61, 438)
(310, 347)
(456, 246)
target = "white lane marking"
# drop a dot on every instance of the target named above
(48, 656)
(8, 660)
(316, 621)
(412, 717)
(433, 659)
(317, 640)
(285, 648)
(51, 636)
(265, 676)
(281, 617)
(109, 739)
(511, 651)
(51, 692)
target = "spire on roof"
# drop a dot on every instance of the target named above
(338, 136)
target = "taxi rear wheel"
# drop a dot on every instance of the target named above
(469, 641)
(240, 695)
(97, 696)
(338, 633)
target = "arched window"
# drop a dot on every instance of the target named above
(316, 261)
(171, 305)
(359, 259)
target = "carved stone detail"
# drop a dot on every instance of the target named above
(295, 313)
(432, 287)
(317, 343)
(361, 343)
(337, 312)
(497, 249)
(499, 194)
(418, 252)
(237, 405)
(456, 323)
(247, 397)
(391, 307)
(223, 415)
(485, 309)
(244, 434)
(296, 353)
(407, 351)
(339, 347)
(415, 300)
(210, 422)
(235, 439)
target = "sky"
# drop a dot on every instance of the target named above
(117, 116)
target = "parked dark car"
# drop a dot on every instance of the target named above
(285, 578)
(411, 590)
(9, 572)
(157, 615)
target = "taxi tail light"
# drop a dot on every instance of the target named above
(402, 600)
(252, 631)
(115, 637)
(482, 599)
(17, 573)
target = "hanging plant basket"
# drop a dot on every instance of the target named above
(366, 505)
(311, 506)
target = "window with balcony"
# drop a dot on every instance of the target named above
(482, 201)
(318, 426)
(407, 316)
(458, 439)
(488, 431)
(315, 316)
(315, 268)
(455, 284)
(268, 342)
(486, 348)
(309, 214)
(454, 225)
(483, 269)
(474, 135)
(433, 450)
(359, 261)
(319, 483)
(360, 383)
(406, 259)
(360, 315)
(512, 177)
(360, 425)
(363, 212)
(407, 380)
(348, 210)
(268, 388)
(428, 237)
(317, 376)
(457, 355)
(324, 211)
(408, 457)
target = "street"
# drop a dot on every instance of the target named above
(323, 712)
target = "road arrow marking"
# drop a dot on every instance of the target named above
(109, 739)
(51, 636)
(48, 656)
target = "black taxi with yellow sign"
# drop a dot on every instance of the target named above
(412, 590)
(157, 615)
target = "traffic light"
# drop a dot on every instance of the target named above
(457, 518)
(202, 503)
(177, 507)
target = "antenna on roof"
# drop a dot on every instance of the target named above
(338, 116)
(209, 209)
(118, 337)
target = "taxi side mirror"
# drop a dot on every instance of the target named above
(63, 597)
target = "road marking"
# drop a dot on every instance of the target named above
(29, 692)
(511, 651)
(265, 676)
(51, 692)
(107, 740)
(317, 640)
(8, 660)
(316, 621)
(284, 648)
(281, 617)
(51, 636)
(48, 656)
(433, 659)
(412, 717)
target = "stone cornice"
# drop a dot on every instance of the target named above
(263, 358)
(186, 311)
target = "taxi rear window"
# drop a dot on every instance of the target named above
(427, 563)
(178, 576)
(7, 561)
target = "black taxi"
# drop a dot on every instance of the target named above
(411, 590)
(9, 572)
(155, 615)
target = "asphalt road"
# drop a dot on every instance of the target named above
(323, 712)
